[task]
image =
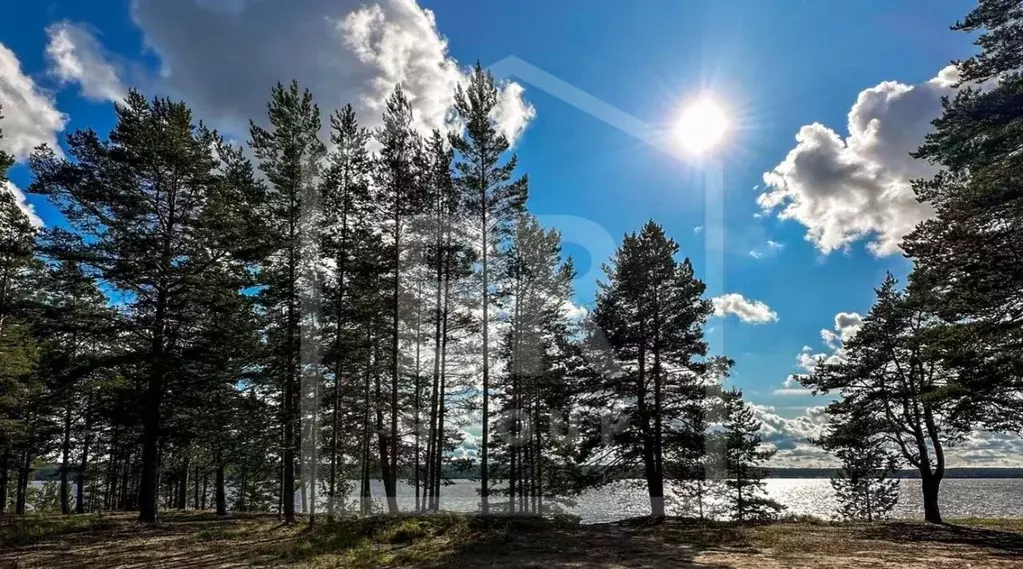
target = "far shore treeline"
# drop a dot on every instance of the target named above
(215, 325)
(51, 473)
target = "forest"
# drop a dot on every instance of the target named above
(270, 326)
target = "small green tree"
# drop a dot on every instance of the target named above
(863, 484)
(744, 455)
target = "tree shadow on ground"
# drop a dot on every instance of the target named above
(191, 541)
(997, 542)
(637, 543)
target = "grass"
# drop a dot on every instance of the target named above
(197, 541)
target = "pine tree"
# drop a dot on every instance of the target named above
(18, 351)
(539, 358)
(344, 218)
(744, 457)
(648, 321)
(289, 155)
(971, 249)
(892, 369)
(493, 201)
(72, 322)
(155, 216)
(400, 195)
(864, 486)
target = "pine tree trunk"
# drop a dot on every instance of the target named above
(150, 451)
(84, 464)
(290, 403)
(365, 492)
(183, 489)
(65, 462)
(205, 485)
(302, 483)
(431, 443)
(417, 403)
(23, 471)
(930, 485)
(514, 448)
(335, 424)
(441, 391)
(391, 481)
(657, 488)
(485, 446)
(5, 463)
(221, 491)
(538, 459)
(382, 446)
(656, 498)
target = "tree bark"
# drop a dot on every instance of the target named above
(391, 482)
(23, 471)
(222, 493)
(84, 464)
(5, 463)
(485, 446)
(382, 445)
(65, 462)
(930, 485)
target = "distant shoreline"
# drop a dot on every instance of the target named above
(906, 473)
(51, 472)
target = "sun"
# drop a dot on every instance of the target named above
(702, 125)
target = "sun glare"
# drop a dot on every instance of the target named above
(701, 126)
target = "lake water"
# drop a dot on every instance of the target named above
(960, 497)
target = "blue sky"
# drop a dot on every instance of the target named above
(806, 244)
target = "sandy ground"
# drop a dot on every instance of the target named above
(200, 541)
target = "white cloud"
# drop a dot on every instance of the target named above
(23, 205)
(76, 56)
(224, 55)
(769, 249)
(30, 115)
(846, 325)
(806, 362)
(749, 311)
(789, 436)
(848, 189)
(697, 230)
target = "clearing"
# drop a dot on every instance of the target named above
(201, 541)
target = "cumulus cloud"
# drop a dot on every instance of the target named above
(790, 436)
(224, 55)
(848, 189)
(749, 311)
(806, 361)
(846, 325)
(23, 205)
(30, 115)
(76, 56)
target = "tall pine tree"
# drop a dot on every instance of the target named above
(647, 339)
(155, 217)
(493, 200)
(289, 153)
